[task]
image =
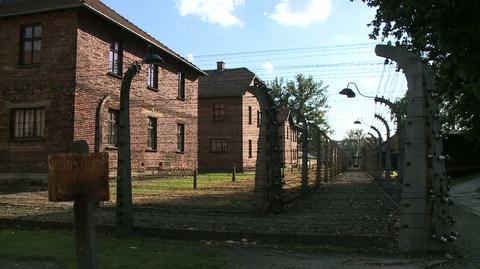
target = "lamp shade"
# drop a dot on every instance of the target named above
(348, 92)
(152, 57)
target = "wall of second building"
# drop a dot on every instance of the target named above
(288, 144)
(162, 104)
(250, 130)
(228, 127)
(47, 85)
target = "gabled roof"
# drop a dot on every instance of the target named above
(9, 8)
(227, 82)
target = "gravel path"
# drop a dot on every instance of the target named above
(467, 196)
(350, 205)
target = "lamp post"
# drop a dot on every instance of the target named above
(398, 116)
(124, 209)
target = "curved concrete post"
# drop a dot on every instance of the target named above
(318, 174)
(388, 161)
(304, 156)
(268, 178)
(400, 132)
(98, 124)
(378, 153)
(124, 209)
(424, 213)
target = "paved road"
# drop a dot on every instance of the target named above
(465, 195)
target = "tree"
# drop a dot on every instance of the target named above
(354, 139)
(352, 144)
(446, 35)
(304, 97)
(307, 101)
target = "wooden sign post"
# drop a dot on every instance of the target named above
(81, 177)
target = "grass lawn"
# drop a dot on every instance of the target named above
(186, 183)
(58, 247)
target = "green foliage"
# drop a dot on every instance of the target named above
(59, 247)
(355, 139)
(305, 98)
(446, 34)
(354, 134)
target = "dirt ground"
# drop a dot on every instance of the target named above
(351, 194)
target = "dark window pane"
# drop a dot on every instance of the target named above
(18, 123)
(115, 58)
(180, 138)
(28, 32)
(113, 127)
(37, 45)
(152, 133)
(40, 124)
(27, 46)
(38, 31)
(181, 85)
(249, 148)
(250, 115)
(28, 123)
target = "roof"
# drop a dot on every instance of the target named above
(9, 8)
(227, 82)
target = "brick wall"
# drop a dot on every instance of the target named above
(250, 130)
(230, 128)
(288, 143)
(48, 85)
(93, 82)
(70, 82)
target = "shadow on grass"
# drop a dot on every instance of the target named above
(131, 252)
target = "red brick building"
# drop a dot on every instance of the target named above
(229, 119)
(59, 59)
(229, 122)
(288, 133)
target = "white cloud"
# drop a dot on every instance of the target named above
(269, 68)
(190, 57)
(301, 13)
(213, 11)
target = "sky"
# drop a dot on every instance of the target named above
(327, 39)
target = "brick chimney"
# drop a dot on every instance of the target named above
(220, 66)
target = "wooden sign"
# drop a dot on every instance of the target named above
(74, 176)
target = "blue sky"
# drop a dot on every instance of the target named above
(327, 39)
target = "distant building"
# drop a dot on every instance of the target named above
(59, 59)
(288, 133)
(229, 122)
(229, 119)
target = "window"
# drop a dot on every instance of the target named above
(31, 44)
(249, 148)
(153, 76)
(250, 115)
(218, 111)
(115, 60)
(219, 145)
(113, 127)
(288, 133)
(258, 118)
(152, 134)
(180, 138)
(181, 85)
(28, 123)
